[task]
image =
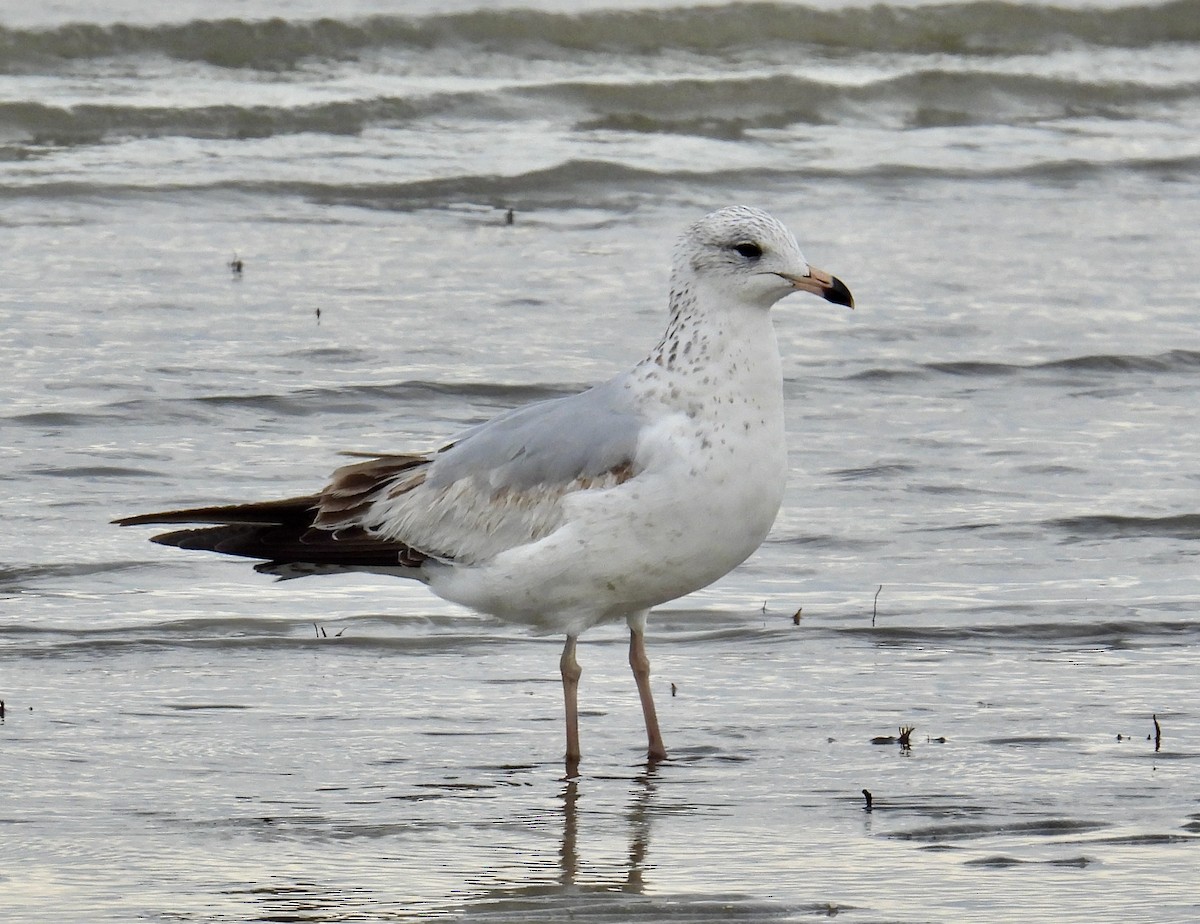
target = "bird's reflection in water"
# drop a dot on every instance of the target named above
(638, 816)
(568, 852)
(587, 816)
(532, 887)
(591, 888)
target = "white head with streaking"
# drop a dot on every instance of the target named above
(583, 509)
(748, 256)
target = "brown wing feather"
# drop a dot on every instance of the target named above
(353, 488)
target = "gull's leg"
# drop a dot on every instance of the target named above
(641, 674)
(571, 672)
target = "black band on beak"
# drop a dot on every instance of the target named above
(839, 294)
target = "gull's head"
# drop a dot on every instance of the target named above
(745, 254)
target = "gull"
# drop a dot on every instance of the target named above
(575, 511)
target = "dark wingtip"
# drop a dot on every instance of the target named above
(143, 519)
(839, 294)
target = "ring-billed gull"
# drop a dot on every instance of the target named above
(578, 510)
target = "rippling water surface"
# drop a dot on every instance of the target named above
(992, 520)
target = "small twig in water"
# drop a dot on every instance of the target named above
(867, 796)
(1157, 734)
(875, 606)
(796, 616)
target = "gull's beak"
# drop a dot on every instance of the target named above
(818, 282)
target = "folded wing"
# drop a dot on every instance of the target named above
(500, 485)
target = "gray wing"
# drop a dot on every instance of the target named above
(550, 442)
(498, 486)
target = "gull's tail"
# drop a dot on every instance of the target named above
(283, 536)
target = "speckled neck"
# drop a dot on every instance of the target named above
(686, 340)
(696, 336)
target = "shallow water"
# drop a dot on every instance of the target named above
(991, 523)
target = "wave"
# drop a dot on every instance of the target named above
(1113, 526)
(371, 634)
(989, 27)
(567, 184)
(303, 402)
(371, 399)
(728, 108)
(578, 180)
(1111, 634)
(724, 107)
(1172, 361)
(960, 831)
(90, 472)
(18, 578)
(91, 124)
(385, 634)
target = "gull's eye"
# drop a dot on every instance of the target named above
(749, 250)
